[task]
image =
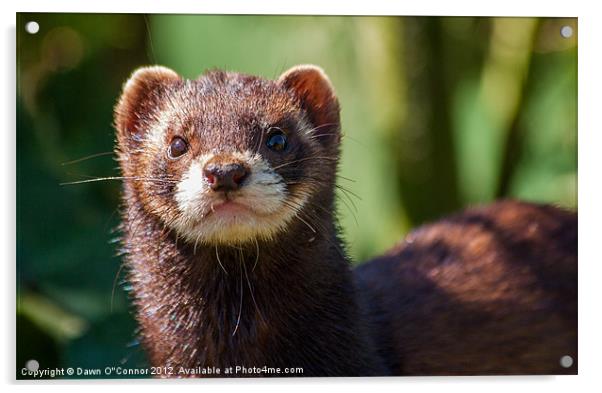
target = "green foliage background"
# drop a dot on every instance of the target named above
(438, 114)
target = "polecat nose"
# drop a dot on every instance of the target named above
(225, 177)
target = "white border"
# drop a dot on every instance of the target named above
(590, 151)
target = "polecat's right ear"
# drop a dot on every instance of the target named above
(140, 97)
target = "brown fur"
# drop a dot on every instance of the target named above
(489, 291)
(492, 290)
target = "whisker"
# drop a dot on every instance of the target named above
(268, 183)
(336, 247)
(259, 143)
(321, 135)
(322, 182)
(240, 308)
(219, 261)
(343, 134)
(304, 159)
(346, 178)
(343, 188)
(115, 285)
(195, 244)
(346, 136)
(97, 179)
(106, 153)
(306, 223)
(251, 291)
(345, 192)
(353, 214)
(150, 38)
(321, 126)
(298, 207)
(257, 255)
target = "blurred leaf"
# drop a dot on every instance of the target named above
(61, 324)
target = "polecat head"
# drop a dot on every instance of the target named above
(228, 158)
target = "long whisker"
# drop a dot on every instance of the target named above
(351, 211)
(304, 159)
(240, 308)
(251, 291)
(257, 254)
(298, 207)
(115, 285)
(316, 206)
(150, 38)
(323, 125)
(119, 178)
(322, 182)
(106, 153)
(322, 135)
(219, 261)
(344, 135)
(346, 178)
(345, 193)
(259, 143)
(336, 246)
(342, 188)
(306, 223)
(195, 244)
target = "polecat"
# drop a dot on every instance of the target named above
(235, 257)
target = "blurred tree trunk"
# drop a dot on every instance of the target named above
(515, 135)
(424, 144)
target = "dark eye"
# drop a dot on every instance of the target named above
(177, 147)
(276, 139)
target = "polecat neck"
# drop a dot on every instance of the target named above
(290, 301)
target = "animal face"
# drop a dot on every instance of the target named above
(228, 158)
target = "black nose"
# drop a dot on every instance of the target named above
(225, 177)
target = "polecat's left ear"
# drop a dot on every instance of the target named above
(141, 97)
(316, 94)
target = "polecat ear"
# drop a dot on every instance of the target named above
(316, 94)
(140, 97)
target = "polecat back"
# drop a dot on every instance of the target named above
(491, 290)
